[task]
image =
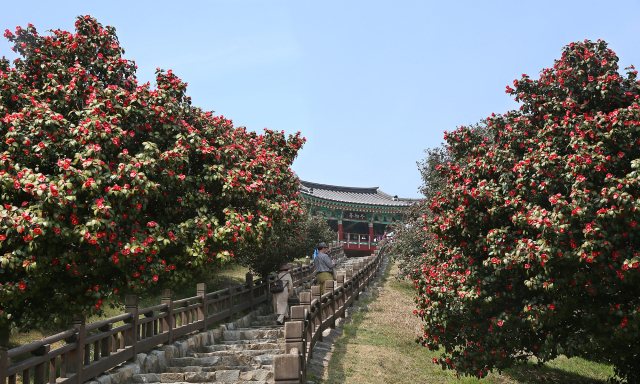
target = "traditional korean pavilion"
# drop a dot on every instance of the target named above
(359, 215)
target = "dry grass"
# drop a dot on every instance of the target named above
(378, 347)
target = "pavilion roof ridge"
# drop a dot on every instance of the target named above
(309, 184)
(351, 195)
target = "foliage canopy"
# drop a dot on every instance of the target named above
(535, 237)
(109, 187)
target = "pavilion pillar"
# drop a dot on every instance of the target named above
(339, 230)
(370, 234)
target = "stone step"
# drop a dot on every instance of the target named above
(271, 317)
(266, 323)
(244, 347)
(229, 361)
(241, 368)
(252, 341)
(252, 334)
(225, 376)
(245, 352)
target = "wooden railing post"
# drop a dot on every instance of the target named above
(305, 304)
(343, 296)
(374, 265)
(229, 286)
(331, 308)
(265, 279)
(249, 281)
(350, 278)
(203, 312)
(315, 295)
(75, 358)
(294, 338)
(40, 370)
(131, 335)
(340, 281)
(147, 329)
(106, 344)
(4, 354)
(168, 322)
(356, 282)
(362, 276)
(287, 368)
(305, 300)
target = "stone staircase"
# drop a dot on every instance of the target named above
(241, 356)
(347, 263)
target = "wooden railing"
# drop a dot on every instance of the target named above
(92, 349)
(316, 313)
(359, 240)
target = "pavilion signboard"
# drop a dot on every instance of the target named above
(349, 215)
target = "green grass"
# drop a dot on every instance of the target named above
(378, 346)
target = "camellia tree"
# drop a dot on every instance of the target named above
(111, 187)
(535, 247)
(407, 246)
(290, 241)
(412, 240)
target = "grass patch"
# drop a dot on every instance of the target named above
(378, 346)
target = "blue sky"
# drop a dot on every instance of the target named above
(370, 84)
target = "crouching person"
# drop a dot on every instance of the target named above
(281, 299)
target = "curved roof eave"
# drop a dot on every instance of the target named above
(353, 203)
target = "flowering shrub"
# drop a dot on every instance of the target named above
(290, 241)
(407, 247)
(412, 241)
(111, 187)
(535, 233)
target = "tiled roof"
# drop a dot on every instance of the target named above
(371, 196)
